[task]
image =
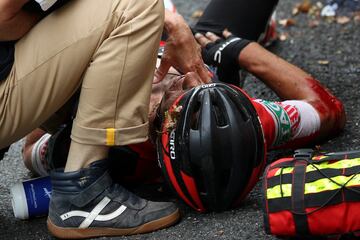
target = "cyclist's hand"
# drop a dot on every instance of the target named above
(221, 52)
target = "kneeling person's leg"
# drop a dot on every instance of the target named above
(113, 110)
(114, 99)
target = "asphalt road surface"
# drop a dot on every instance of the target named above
(330, 52)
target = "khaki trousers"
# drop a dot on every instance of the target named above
(107, 48)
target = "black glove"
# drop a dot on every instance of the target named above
(224, 54)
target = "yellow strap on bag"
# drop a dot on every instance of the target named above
(317, 186)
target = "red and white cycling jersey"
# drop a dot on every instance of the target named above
(287, 121)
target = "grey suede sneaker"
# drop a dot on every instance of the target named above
(87, 204)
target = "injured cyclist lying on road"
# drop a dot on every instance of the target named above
(209, 129)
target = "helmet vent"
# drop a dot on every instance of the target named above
(218, 107)
(194, 122)
(219, 116)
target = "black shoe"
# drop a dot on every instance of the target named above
(87, 204)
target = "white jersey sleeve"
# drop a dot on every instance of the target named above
(286, 121)
(309, 120)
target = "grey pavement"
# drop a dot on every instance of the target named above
(305, 47)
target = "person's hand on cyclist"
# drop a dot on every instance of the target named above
(181, 50)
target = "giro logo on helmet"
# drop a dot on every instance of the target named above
(172, 145)
(208, 85)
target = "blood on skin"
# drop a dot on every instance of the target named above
(331, 112)
(329, 106)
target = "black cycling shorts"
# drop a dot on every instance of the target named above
(245, 18)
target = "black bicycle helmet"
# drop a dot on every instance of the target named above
(211, 147)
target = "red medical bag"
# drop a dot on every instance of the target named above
(307, 196)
